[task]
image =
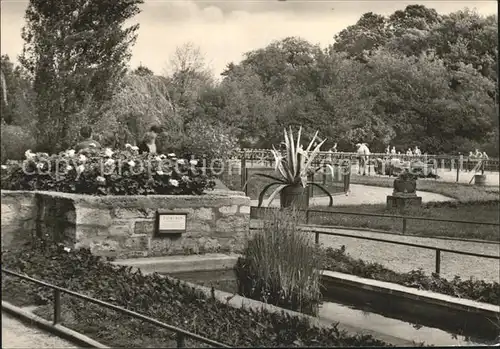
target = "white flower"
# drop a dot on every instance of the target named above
(171, 154)
(185, 178)
(162, 156)
(108, 152)
(109, 162)
(82, 158)
(80, 168)
(70, 152)
(28, 154)
(131, 163)
(173, 182)
(193, 162)
(67, 249)
(134, 148)
(44, 154)
(160, 172)
(69, 168)
(100, 179)
(4, 167)
(40, 165)
(128, 145)
(181, 161)
(158, 158)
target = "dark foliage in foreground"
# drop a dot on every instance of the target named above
(155, 296)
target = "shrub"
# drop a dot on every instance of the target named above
(210, 141)
(104, 172)
(280, 264)
(161, 298)
(15, 141)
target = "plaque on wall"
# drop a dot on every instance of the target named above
(170, 223)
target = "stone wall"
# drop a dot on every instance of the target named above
(123, 226)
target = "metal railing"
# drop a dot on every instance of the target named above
(437, 250)
(404, 219)
(457, 163)
(181, 334)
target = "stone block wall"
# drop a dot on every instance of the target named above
(123, 226)
(19, 215)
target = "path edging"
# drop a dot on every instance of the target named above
(57, 330)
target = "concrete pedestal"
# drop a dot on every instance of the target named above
(480, 180)
(403, 200)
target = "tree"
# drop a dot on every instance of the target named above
(17, 95)
(469, 38)
(76, 52)
(188, 75)
(418, 101)
(142, 71)
(368, 34)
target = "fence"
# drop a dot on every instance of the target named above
(265, 161)
(254, 214)
(181, 334)
(456, 163)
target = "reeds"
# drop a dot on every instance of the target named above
(281, 264)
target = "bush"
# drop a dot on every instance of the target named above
(210, 141)
(280, 265)
(104, 172)
(14, 142)
(161, 298)
(477, 290)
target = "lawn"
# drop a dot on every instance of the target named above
(467, 211)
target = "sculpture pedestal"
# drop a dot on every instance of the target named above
(402, 200)
(480, 180)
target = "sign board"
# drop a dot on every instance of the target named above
(170, 223)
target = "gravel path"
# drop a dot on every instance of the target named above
(405, 258)
(362, 194)
(15, 334)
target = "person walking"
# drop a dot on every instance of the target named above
(87, 142)
(363, 157)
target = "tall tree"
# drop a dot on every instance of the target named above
(17, 96)
(368, 34)
(76, 52)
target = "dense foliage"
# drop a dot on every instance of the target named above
(280, 265)
(478, 290)
(415, 77)
(106, 172)
(155, 296)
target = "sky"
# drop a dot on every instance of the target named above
(224, 30)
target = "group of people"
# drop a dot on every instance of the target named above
(478, 155)
(410, 152)
(147, 145)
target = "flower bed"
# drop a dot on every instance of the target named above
(154, 296)
(477, 290)
(107, 172)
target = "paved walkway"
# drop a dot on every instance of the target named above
(404, 258)
(362, 194)
(15, 334)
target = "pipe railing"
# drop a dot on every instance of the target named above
(438, 250)
(181, 334)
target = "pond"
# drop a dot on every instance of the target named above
(371, 318)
